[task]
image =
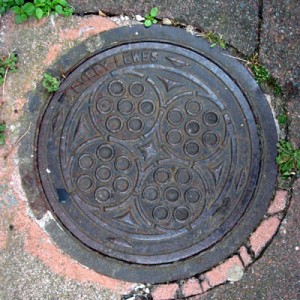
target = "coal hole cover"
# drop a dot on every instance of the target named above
(157, 154)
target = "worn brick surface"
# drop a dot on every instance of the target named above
(3, 237)
(219, 274)
(191, 287)
(276, 274)
(279, 202)
(263, 234)
(206, 286)
(165, 291)
(30, 256)
(246, 258)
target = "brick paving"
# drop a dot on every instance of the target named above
(19, 229)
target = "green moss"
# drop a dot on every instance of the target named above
(2, 134)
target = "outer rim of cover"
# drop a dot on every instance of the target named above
(266, 180)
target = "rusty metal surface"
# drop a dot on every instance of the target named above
(149, 153)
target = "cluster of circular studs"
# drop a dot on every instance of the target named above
(190, 131)
(107, 176)
(125, 111)
(172, 197)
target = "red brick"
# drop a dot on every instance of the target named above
(191, 287)
(38, 244)
(205, 286)
(218, 274)
(53, 53)
(279, 202)
(264, 234)
(165, 291)
(3, 238)
(246, 258)
(197, 297)
(87, 27)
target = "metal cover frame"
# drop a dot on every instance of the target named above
(266, 180)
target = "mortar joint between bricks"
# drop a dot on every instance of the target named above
(179, 292)
(240, 257)
(249, 250)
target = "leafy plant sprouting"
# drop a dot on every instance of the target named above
(288, 159)
(7, 63)
(151, 17)
(38, 9)
(214, 39)
(276, 86)
(2, 135)
(5, 5)
(261, 74)
(282, 119)
(50, 83)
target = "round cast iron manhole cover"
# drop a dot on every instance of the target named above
(150, 154)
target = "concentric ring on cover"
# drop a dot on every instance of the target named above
(158, 152)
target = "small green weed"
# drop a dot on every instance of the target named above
(50, 83)
(7, 63)
(38, 9)
(151, 17)
(288, 159)
(2, 135)
(276, 86)
(214, 39)
(282, 119)
(262, 75)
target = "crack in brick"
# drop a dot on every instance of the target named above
(96, 13)
(239, 256)
(250, 251)
(180, 293)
